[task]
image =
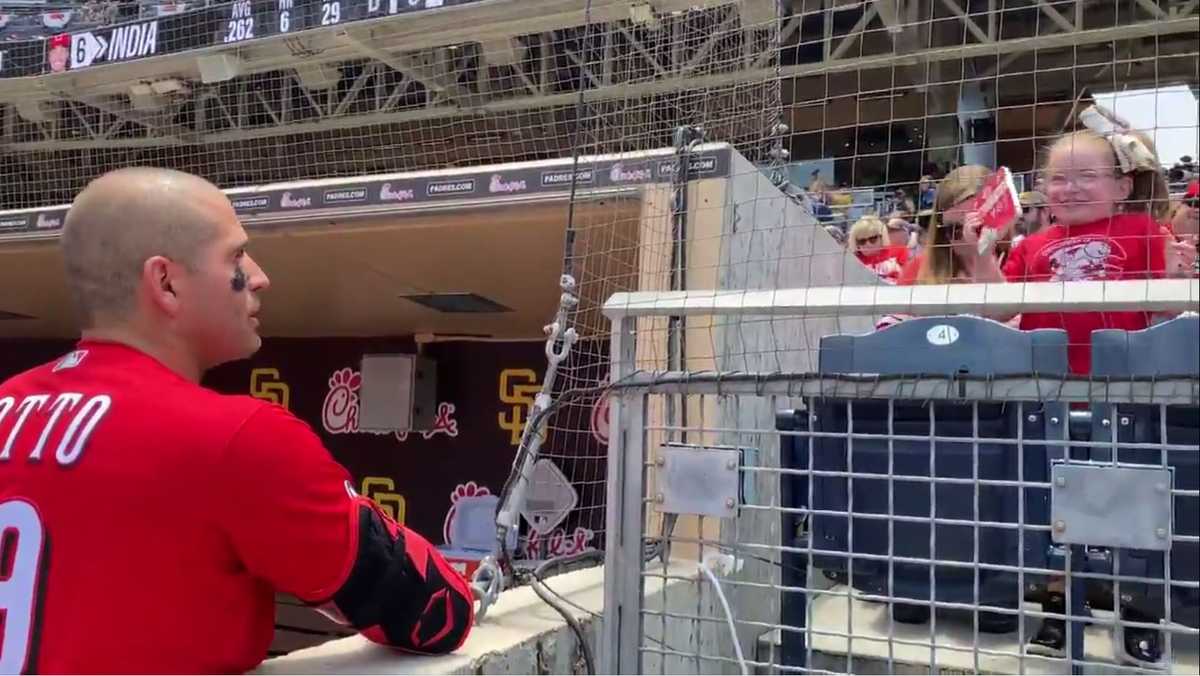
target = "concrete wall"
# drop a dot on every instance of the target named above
(770, 242)
(519, 635)
(742, 233)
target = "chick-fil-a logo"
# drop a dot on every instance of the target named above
(339, 413)
(558, 543)
(467, 490)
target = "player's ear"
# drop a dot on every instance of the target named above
(160, 276)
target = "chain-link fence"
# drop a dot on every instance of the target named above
(939, 495)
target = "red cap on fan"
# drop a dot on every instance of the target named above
(61, 40)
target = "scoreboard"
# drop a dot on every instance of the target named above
(249, 19)
(218, 24)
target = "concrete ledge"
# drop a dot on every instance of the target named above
(520, 635)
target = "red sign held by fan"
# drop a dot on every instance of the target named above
(998, 205)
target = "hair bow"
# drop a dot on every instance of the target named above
(1132, 153)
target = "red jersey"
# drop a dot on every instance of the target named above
(148, 522)
(886, 262)
(1127, 246)
(910, 271)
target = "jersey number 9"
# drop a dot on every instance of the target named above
(22, 540)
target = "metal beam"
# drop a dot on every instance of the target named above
(401, 63)
(637, 45)
(967, 20)
(855, 33)
(153, 129)
(888, 13)
(1151, 7)
(1055, 16)
(713, 38)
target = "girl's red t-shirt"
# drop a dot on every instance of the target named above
(1126, 246)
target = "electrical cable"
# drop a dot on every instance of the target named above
(546, 595)
(737, 645)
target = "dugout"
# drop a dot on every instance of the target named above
(462, 266)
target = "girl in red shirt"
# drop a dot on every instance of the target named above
(1104, 229)
(1104, 189)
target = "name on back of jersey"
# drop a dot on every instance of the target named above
(32, 425)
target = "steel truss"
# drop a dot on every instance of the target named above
(356, 76)
(489, 84)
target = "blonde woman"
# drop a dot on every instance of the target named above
(870, 242)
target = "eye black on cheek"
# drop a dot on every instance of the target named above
(238, 283)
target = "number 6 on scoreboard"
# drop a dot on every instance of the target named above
(21, 541)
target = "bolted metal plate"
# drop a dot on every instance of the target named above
(1111, 506)
(700, 480)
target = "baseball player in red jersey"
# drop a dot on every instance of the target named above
(146, 522)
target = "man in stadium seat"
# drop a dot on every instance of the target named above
(147, 522)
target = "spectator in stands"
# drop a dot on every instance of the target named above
(902, 204)
(900, 233)
(1183, 232)
(1185, 219)
(926, 193)
(1034, 216)
(951, 251)
(816, 186)
(91, 13)
(1104, 186)
(870, 242)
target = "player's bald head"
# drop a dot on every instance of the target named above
(124, 218)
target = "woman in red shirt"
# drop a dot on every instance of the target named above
(952, 248)
(951, 252)
(871, 244)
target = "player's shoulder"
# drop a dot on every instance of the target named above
(190, 402)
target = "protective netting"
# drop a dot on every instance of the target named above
(855, 110)
(721, 145)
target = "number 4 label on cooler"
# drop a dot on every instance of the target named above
(22, 540)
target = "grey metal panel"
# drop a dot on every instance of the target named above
(1111, 506)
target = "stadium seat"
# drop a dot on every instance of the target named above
(932, 346)
(1167, 349)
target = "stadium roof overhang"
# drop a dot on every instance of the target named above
(349, 277)
(343, 254)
